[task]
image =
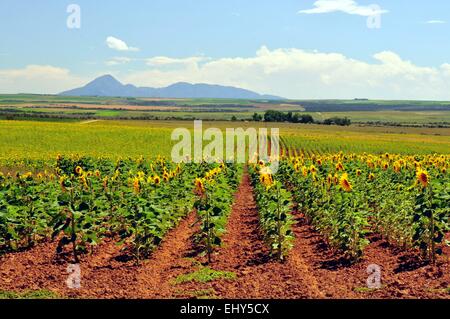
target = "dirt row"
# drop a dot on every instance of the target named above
(311, 270)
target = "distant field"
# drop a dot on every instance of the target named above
(113, 139)
(402, 117)
(22, 106)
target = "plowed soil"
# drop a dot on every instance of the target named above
(312, 270)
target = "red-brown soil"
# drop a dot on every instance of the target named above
(310, 271)
(403, 275)
(108, 273)
(245, 254)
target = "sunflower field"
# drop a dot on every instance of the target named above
(82, 200)
(347, 197)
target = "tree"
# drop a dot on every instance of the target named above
(338, 121)
(257, 117)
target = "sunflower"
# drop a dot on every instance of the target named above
(305, 171)
(313, 169)
(62, 183)
(329, 179)
(371, 177)
(105, 182)
(27, 175)
(336, 179)
(156, 180)
(423, 177)
(339, 166)
(344, 182)
(78, 170)
(358, 172)
(266, 180)
(199, 186)
(141, 174)
(136, 185)
(84, 181)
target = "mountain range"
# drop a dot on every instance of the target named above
(107, 85)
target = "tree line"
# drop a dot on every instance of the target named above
(290, 117)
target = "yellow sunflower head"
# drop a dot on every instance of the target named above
(345, 183)
(266, 180)
(78, 170)
(136, 185)
(199, 186)
(305, 171)
(423, 177)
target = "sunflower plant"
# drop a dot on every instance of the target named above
(214, 192)
(275, 205)
(431, 215)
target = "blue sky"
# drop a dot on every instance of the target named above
(297, 49)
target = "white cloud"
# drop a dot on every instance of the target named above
(163, 60)
(345, 6)
(118, 60)
(38, 79)
(436, 22)
(296, 73)
(119, 45)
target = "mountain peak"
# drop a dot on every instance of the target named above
(107, 78)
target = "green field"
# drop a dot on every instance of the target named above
(44, 140)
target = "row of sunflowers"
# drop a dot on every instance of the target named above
(349, 197)
(82, 200)
(214, 198)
